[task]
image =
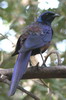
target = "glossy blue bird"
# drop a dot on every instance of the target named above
(36, 38)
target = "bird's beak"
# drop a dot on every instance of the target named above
(56, 15)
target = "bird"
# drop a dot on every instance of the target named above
(35, 39)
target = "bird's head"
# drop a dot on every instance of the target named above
(47, 17)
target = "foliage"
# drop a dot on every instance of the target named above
(20, 13)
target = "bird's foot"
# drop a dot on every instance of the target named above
(37, 66)
(44, 65)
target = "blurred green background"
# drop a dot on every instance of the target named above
(14, 16)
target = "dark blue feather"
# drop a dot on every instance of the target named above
(19, 70)
(36, 36)
(36, 41)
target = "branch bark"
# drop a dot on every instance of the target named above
(34, 72)
(39, 72)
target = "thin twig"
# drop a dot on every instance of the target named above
(29, 93)
(58, 56)
(1, 61)
(4, 79)
(5, 36)
(44, 84)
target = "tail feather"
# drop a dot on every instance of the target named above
(19, 70)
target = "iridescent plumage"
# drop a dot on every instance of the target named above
(36, 38)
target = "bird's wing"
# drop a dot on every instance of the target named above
(37, 40)
(28, 30)
(19, 44)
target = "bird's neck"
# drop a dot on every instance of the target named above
(48, 23)
(45, 23)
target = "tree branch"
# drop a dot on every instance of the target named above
(57, 54)
(41, 72)
(4, 79)
(35, 72)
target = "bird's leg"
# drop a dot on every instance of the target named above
(35, 65)
(43, 59)
(30, 64)
(34, 62)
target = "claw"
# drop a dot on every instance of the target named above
(37, 66)
(44, 65)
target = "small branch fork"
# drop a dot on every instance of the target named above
(45, 85)
(58, 56)
(5, 36)
(40, 73)
(4, 79)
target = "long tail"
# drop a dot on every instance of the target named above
(19, 70)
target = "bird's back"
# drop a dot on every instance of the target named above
(35, 29)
